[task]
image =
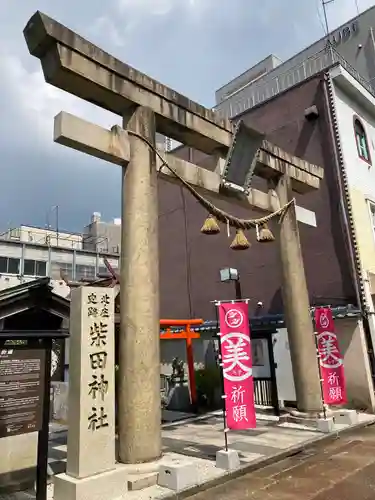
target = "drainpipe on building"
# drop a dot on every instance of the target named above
(360, 285)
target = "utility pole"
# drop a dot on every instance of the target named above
(324, 4)
(357, 6)
(57, 225)
(56, 208)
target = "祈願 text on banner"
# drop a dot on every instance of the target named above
(237, 365)
(331, 363)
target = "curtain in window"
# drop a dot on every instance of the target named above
(361, 139)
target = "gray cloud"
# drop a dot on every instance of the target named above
(192, 45)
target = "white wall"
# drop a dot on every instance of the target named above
(352, 343)
(284, 373)
(357, 370)
(352, 100)
(31, 234)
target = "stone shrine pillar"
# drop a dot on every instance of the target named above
(91, 469)
(139, 360)
(297, 308)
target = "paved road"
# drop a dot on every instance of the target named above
(343, 469)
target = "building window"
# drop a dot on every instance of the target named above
(372, 214)
(361, 141)
(103, 270)
(9, 265)
(34, 268)
(15, 234)
(65, 269)
(85, 272)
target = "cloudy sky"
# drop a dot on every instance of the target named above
(194, 46)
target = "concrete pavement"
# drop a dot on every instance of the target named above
(198, 439)
(342, 469)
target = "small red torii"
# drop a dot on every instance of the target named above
(186, 332)
(188, 335)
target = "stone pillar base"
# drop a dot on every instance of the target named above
(140, 476)
(311, 415)
(296, 417)
(312, 420)
(110, 485)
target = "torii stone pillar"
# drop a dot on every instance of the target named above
(139, 395)
(297, 308)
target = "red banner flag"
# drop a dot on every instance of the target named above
(237, 365)
(330, 360)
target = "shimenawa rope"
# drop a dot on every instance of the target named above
(220, 215)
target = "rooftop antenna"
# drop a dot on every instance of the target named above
(356, 6)
(324, 4)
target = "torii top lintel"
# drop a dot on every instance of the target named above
(75, 65)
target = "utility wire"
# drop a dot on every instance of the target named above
(319, 14)
(324, 4)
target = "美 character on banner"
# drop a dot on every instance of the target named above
(237, 365)
(331, 363)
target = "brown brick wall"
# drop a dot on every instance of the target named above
(190, 262)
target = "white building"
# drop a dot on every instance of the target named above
(352, 45)
(44, 236)
(353, 114)
(102, 236)
(22, 260)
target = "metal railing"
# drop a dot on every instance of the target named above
(263, 391)
(269, 86)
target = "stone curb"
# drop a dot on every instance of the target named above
(264, 462)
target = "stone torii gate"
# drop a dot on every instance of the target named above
(75, 65)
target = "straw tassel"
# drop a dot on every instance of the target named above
(210, 226)
(264, 234)
(240, 241)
